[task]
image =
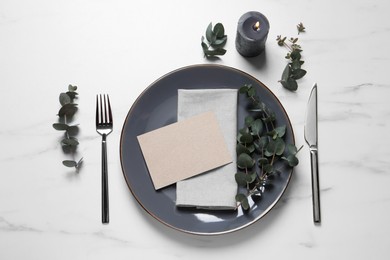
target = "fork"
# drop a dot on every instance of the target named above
(104, 126)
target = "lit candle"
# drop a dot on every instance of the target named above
(252, 32)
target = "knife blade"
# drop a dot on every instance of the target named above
(311, 137)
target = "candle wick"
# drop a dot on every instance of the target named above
(256, 26)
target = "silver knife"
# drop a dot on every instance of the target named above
(311, 137)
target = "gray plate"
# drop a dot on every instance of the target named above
(157, 107)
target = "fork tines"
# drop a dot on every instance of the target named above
(103, 112)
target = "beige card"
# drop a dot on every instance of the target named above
(184, 149)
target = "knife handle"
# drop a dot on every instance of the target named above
(315, 186)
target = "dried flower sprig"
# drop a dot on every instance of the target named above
(293, 70)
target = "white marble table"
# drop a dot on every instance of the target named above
(120, 47)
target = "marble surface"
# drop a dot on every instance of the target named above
(120, 47)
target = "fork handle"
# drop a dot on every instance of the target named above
(105, 209)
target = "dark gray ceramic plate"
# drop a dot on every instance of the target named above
(157, 107)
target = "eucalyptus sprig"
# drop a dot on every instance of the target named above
(66, 112)
(216, 39)
(261, 149)
(293, 70)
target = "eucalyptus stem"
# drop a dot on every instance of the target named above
(260, 145)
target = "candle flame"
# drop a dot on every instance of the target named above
(256, 26)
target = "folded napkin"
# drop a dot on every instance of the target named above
(217, 188)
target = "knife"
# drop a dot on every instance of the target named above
(311, 137)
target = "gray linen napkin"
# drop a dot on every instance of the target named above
(215, 189)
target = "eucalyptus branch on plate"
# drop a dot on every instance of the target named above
(216, 39)
(293, 70)
(67, 111)
(260, 145)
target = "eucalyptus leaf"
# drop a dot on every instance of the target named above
(295, 55)
(64, 99)
(69, 163)
(248, 120)
(72, 88)
(286, 73)
(219, 30)
(204, 45)
(261, 143)
(245, 161)
(219, 42)
(292, 160)
(60, 126)
(280, 131)
(251, 92)
(298, 73)
(241, 178)
(292, 149)
(244, 89)
(209, 32)
(243, 200)
(268, 168)
(246, 138)
(251, 147)
(251, 177)
(72, 94)
(263, 161)
(296, 64)
(275, 147)
(68, 110)
(71, 141)
(279, 146)
(290, 84)
(214, 52)
(256, 127)
(240, 148)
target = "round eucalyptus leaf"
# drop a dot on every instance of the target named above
(69, 163)
(279, 146)
(263, 161)
(240, 148)
(246, 138)
(292, 160)
(68, 110)
(64, 99)
(268, 168)
(248, 120)
(72, 88)
(257, 127)
(251, 177)
(243, 200)
(72, 94)
(60, 126)
(280, 131)
(243, 89)
(292, 149)
(245, 161)
(240, 178)
(295, 55)
(251, 148)
(251, 92)
(71, 141)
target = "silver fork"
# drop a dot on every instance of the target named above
(104, 126)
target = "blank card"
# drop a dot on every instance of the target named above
(184, 149)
